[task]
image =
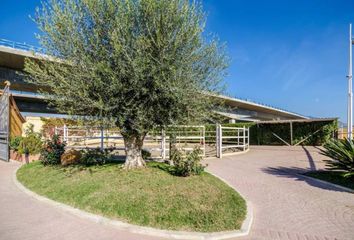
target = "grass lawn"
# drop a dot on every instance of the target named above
(148, 197)
(333, 177)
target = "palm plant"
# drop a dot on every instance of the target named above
(341, 154)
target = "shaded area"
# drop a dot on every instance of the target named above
(310, 159)
(336, 177)
(296, 174)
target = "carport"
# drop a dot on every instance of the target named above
(294, 132)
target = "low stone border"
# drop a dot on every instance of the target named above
(325, 182)
(245, 228)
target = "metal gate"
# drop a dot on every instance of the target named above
(5, 123)
(231, 140)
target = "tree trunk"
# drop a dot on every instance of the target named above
(133, 146)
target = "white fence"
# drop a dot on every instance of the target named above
(229, 140)
(158, 144)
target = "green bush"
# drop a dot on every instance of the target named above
(95, 156)
(341, 154)
(31, 143)
(15, 142)
(52, 151)
(145, 154)
(306, 133)
(188, 164)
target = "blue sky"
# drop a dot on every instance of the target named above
(290, 54)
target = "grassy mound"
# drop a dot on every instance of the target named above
(148, 197)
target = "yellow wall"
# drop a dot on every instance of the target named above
(36, 121)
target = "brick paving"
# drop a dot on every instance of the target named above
(25, 218)
(286, 206)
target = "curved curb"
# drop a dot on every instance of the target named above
(325, 182)
(245, 228)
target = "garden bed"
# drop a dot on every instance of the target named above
(336, 177)
(147, 197)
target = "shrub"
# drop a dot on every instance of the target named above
(70, 157)
(52, 151)
(145, 154)
(15, 142)
(31, 143)
(95, 156)
(188, 164)
(341, 154)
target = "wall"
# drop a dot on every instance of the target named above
(36, 121)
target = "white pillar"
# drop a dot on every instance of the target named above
(163, 144)
(218, 141)
(350, 87)
(244, 138)
(204, 143)
(248, 138)
(102, 139)
(65, 133)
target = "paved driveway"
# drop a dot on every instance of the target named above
(285, 206)
(25, 218)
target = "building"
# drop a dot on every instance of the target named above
(32, 105)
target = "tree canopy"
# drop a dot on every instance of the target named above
(138, 64)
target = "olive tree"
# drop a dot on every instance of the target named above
(137, 64)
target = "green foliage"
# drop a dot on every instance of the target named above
(31, 143)
(341, 154)
(317, 133)
(15, 142)
(136, 64)
(145, 154)
(336, 177)
(187, 164)
(52, 151)
(95, 156)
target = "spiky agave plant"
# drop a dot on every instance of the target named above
(341, 154)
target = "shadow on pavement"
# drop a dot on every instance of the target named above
(310, 159)
(296, 174)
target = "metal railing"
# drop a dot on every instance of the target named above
(20, 46)
(80, 137)
(235, 139)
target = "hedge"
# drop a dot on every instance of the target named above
(317, 133)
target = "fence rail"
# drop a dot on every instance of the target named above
(223, 140)
(20, 46)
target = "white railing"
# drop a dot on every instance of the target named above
(20, 46)
(95, 137)
(229, 140)
(234, 139)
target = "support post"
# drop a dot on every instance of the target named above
(291, 133)
(65, 133)
(102, 139)
(248, 138)
(238, 137)
(244, 138)
(203, 141)
(350, 88)
(218, 141)
(163, 144)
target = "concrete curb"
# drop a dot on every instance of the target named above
(245, 228)
(247, 223)
(325, 182)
